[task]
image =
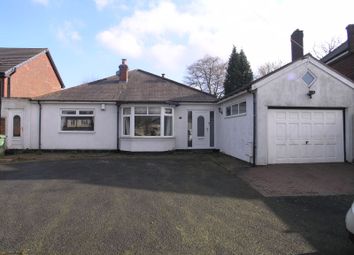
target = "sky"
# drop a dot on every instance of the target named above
(88, 38)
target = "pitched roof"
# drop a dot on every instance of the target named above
(248, 87)
(142, 86)
(337, 51)
(11, 58)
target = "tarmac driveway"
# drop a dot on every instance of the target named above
(180, 203)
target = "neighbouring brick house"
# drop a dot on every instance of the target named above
(342, 57)
(27, 73)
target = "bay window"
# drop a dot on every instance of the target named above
(147, 121)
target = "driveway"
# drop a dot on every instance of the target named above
(301, 179)
(179, 203)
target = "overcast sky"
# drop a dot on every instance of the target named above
(88, 38)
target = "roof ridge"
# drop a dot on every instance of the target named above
(175, 82)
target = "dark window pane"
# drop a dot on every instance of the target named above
(126, 125)
(189, 132)
(200, 126)
(211, 129)
(86, 112)
(77, 124)
(234, 109)
(168, 110)
(69, 112)
(168, 126)
(17, 126)
(228, 111)
(147, 125)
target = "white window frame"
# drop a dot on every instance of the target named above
(77, 114)
(132, 115)
(236, 105)
(131, 129)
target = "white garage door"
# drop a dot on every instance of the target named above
(305, 136)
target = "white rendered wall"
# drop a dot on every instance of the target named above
(287, 89)
(29, 121)
(235, 133)
(104, 136)
(147, 144)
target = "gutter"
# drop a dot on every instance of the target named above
(40, 126)
(3, 76)
(254, 126)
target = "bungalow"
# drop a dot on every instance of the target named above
(300, 113)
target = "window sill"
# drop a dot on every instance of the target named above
(147, 137)
(235, 116)
(76, 132)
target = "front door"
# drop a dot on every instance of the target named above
(15, 129)
(201, 129)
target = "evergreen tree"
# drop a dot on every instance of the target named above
(238, 72)
(232, 75)
(245, 70)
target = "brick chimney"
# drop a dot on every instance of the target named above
(297, 44)
(123, 71)
(350, 32)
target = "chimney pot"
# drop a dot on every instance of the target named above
(350, 33)
(297, 44)
(123, 71)
(163, 75)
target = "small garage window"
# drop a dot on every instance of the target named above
(17, 126)
(236, 109)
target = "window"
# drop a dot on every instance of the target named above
(147, 126)
(242, 108)
(168, 122)
(77, 120)
(147, 121)
(126, 120)
(309, 78)
(16, 132)
(189, 132)
(200, 126)
(211, 128)
(228, 110)
(236, 109)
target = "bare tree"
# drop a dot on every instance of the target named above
(267, 68)
(207, 74)
(321, 50)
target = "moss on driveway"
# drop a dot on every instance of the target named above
(174, 203)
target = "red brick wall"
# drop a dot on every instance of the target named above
(34, 78)
(345, 66)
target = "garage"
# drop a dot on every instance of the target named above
(305, 135)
